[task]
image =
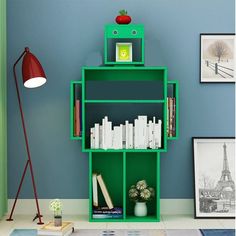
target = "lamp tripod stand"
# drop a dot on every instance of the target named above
(33, 76)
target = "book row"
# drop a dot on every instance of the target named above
(142, 134)
(171, 117)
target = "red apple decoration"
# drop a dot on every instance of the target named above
(123, 18)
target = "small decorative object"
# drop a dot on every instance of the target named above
(123, 52)
(56, 207)
(214, 168)
(123, 18)
(217, 58)
(140, 194)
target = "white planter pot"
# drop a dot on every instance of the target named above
(140, 209)
(58, 221)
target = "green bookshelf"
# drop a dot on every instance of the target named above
(114, 90)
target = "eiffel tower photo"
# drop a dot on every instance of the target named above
(226, 184)
(219, 198)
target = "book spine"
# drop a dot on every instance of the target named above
(131, 136)
(168, 118)
(108, 134)
(159, 133)
(77, 118)
(96, 134)
(92, 138)
(142, 131)
(127, 134)
(100, 136)
(174, 117)
(107, 216)
(115, 137)
(121, 137)
(171, 117)
(156, 136)
(95, 190)
(153, 132)
(136, 144)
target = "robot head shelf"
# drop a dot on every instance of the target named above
(124, 44)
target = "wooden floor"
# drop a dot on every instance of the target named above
(81, 222)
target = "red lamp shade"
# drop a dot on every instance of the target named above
(32, 71)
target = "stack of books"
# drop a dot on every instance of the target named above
(171, 117)
(142, 134)
(49, 229)
(104, 212)
(77, 111)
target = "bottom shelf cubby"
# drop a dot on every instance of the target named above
(121, 170)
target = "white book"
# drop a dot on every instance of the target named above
(156, 136)
(108, 136)
(112, 139)
(100, 136)
(127, 134)
(142, 131)
(147, 136)
(116, 137)
(122, 138)
(92, 137)
(153, 132)
(131, 136)
(159, 132)
(95, 190)
(96, 136)
(136, 134)
(150, 134)
(104, 132)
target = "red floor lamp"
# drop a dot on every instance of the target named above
(33, 76)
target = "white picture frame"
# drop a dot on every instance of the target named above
(217, 58)
(214, 177)
(126, 50)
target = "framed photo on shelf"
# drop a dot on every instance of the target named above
(217, 58)
(124, 52)
(214, 177)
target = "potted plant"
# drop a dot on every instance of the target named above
(140, 194)
(56, 207)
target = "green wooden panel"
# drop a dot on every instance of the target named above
(124, 101)
(124, 31)
(158, 189)
(141, 166)
(3, 111)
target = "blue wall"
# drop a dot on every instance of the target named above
(66, 34)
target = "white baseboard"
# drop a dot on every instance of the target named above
(81, 206)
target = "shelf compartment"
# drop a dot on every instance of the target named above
(125, 90)
(141, 166)
(124, 73)
(118, 114)
(110, 166)
(173, 92)
(137, 52)
(75, 94)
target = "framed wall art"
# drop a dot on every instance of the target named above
(124, 52)
(214, 177)
(217, 58)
